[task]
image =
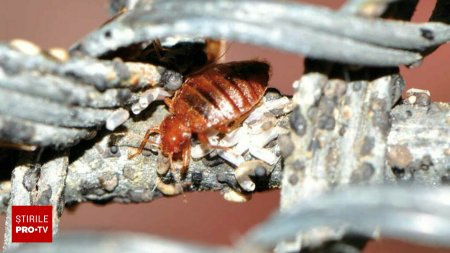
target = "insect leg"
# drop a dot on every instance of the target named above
(186, 158)
(144, 142)
(237, 123)
(168, 102)
(170, 160)
(203, 138)
(222, 129)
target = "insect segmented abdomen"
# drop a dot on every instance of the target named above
(199, 106)
(224, 92)
(250, 78)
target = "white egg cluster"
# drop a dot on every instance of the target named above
(149, 96)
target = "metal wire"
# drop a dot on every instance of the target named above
(312, 31)
(50, 102)
(421, 217)
(47, 101)
(417, 214)
(90, 242)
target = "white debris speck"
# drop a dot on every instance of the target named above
(152, 95)
(412, 99)
(264, 154)
(136, 108)
(236, 136)
(116, 119)
(243, 145)
(247, 168)
(132, 3)
(242, 177)
(59, 53)
(231, 157)
(198, 151)
(295, 84)
(267, 106)
(263, 138)
(25, 47)
(168, 189)
(413, 91)
(247, 185)
(234, 196)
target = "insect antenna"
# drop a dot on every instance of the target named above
(158, 48)
(145, 141)
(215, 61)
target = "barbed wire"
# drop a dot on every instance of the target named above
(55, 99)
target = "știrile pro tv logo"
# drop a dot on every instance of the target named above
(31, 224)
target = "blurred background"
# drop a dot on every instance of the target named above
(198, 217)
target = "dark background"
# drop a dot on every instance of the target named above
(200, 217)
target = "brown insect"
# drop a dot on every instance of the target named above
(216, 99)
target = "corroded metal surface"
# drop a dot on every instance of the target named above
(37, 184)
(419, 150)
(312, 31)
(49, 102)
(399, 212)
(340, 131)
(425, 164)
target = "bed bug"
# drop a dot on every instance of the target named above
(215, 99)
